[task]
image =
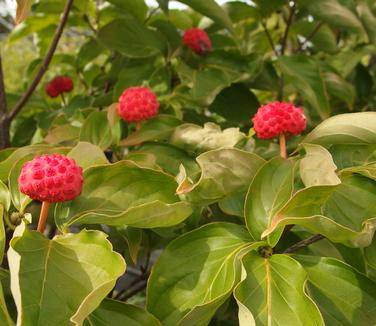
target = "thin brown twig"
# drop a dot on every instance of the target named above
(310, 36)
(269, 37)
(138, 288)
(288, 24)
(152, 12)
(59, 31)
(88, 22)
(4, 121)
(304, 243)
(3, 99)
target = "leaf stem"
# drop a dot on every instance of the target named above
(269, 38)
(63, 99)
(43, 216)
(282, 146)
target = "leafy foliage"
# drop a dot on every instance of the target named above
(206, 217)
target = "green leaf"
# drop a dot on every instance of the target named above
(324, 39)
(86, 155)
(32, 24)
(131, 38)
(5, 200)
(19, 200)
(112, 312)
(5, 318)
(124, 193)
(137, 8)
(266, 8)
(24, 130)
(2, 235)
(349, 204)
(236, 104)
(340, 88)
(348, 128)
(240, 11)
(370, 253)
(368, 19)
(133, 239)
(273, 293)
(212, 10)
(196, 273)
(221, 69)
(317, 167)
(96, 130)
(346, 60)
(166, 156)
(233, 205)
(158, 128)
(270, 189)
(339, 212)
(163, 4)
(83, 266)
(19, 153)
(196, 139)
(344, 296)
(134, 72)
(65, 133)
(333, 13)
(368, 171)
(201, 86)
(305, 75)
(169, 31)
(349, 155)
(224, 173)
(88, 52)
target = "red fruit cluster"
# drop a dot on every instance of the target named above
(137, 104)
(59, 85)
(198, 40)
(277, 118)
(51, 178)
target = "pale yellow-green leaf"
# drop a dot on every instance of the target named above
(61, 281)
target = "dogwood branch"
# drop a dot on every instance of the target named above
(4, 121)
(304, 243)
(3, 99)
(43, 68)
(269, 37)
(310, 36)
(288, 24)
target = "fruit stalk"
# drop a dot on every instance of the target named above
(282, 146)
(43, 216)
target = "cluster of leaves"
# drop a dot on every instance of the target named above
(194, 185)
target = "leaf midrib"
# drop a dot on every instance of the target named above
(49, 247)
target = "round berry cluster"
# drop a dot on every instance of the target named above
(277, 118)
(198, 40)
(137, 104)
(59, 85)
(51, 178)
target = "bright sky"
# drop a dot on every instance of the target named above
(173, 4)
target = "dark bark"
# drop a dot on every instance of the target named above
(4, 121)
